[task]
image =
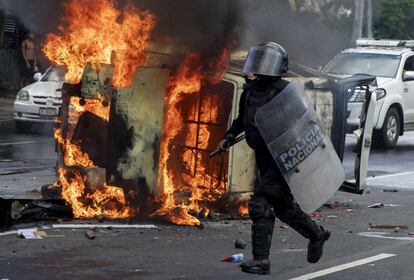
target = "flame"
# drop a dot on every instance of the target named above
(73, 155)
(95, 31)
(107, 202)
(243, 209)
(187, 192)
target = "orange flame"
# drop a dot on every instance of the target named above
(183, 193)
(107, 202)
(73, 156)
(243, 209)
(95, 31)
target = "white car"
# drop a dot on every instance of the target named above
(392, 62)
(39, 102)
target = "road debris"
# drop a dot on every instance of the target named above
(240, 244)
(338, 205)
(90, 233)
(284, 227)
(390, 190)
(234, 258)
(387, 226)
(29, 233)
(314, 215)
(376, 205)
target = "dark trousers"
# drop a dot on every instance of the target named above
(273, 198)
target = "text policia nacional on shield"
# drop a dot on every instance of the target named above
(300, 150)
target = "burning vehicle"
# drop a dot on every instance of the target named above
(139, 119)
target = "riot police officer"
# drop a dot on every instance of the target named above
(272, 198)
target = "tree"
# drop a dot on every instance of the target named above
(396, 20)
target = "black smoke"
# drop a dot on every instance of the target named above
(37, 16)
(209, 24)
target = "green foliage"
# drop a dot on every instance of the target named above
(396, 20)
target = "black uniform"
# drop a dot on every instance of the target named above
(272, 196)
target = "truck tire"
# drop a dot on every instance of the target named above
(387, 136)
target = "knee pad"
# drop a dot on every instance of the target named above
(259, 207)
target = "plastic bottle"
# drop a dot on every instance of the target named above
(237, 258)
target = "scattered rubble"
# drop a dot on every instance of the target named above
(376, 205)
(233, 258)
(387, 226)
(240, 244)
(90, 233)
(30, 233)
(390, 190)
(314, 215)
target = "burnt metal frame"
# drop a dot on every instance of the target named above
(360, 80)
(196, 150)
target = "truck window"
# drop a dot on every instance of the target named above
(409, 64)
(380, 65)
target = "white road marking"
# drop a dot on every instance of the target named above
(383, 235)
(390, 175)
(385, 176)
(17, 143)
(8, 232)
(343, 267)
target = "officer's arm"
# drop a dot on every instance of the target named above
(237, 126)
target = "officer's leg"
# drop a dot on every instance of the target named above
(290, 213)
(263, 219)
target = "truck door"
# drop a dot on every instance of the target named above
(364, 133)
(408, 87)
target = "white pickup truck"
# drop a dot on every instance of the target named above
(392, 62)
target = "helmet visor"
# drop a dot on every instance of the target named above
(264, 61)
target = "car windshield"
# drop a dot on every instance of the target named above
(54, 75)
(380, 65)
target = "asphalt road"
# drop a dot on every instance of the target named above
(27, 161)
(354, 251)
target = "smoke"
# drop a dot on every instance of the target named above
(37, 16)
(308, 39)
(209, 24)
(203, 25)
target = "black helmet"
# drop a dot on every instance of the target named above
(269, 59)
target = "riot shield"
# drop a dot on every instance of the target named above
(300, 147)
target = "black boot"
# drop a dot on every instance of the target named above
(263, 219)
(256, 266)
(307, 227)
(315, 246)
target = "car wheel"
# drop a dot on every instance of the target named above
(387, 136)
(23, 127)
